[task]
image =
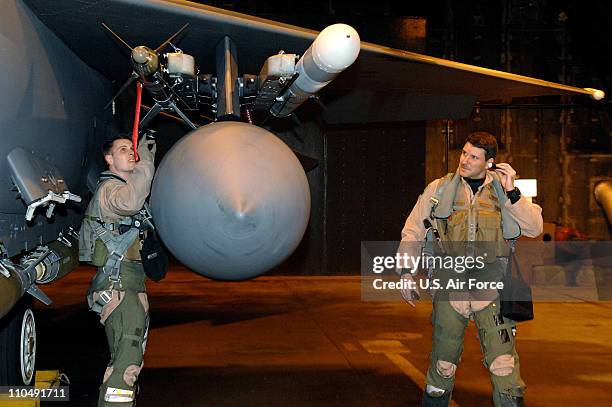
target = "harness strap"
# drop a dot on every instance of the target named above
(116, 251)
(103, 299)
(116, 245)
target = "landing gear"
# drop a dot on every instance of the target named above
(18, 345)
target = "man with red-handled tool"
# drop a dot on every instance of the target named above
(114, 227)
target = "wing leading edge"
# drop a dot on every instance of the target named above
(385, 84)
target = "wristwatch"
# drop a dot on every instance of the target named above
(514, 195)
(405, 271)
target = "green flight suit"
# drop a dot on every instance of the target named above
(480, 220)
(126, 328)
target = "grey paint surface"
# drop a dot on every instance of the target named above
(230, 200)
(26, 169)
(49, 99)
(603, 195)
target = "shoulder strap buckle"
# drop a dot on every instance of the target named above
(118, 256)
(105, 296)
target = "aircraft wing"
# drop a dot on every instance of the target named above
(384, 84)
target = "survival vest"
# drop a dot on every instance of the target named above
(485, 220)
(104, 244)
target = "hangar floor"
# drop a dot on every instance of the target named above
(309, 341)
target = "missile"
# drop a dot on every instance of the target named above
(144, 61)
(41, 266)
(334, 50)
(154, 76)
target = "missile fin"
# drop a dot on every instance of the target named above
(37, 293)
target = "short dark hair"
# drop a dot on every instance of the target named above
(484, 140)
(108, 144)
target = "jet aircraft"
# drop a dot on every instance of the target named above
(242, 193)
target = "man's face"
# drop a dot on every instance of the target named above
(472, 163)
(121, 157)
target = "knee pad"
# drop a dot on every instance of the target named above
(446, 369)
(503, 365)
(130, 375)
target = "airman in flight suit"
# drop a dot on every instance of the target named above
(110, 238)
(475, 205)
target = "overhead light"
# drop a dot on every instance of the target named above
(528, 187)
(596, 93)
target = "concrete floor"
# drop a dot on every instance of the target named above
(309, 341)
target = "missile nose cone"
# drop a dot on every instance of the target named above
(336, 47)
(141, 55)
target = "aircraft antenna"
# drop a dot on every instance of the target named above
(117, 36)
(171, 38)
(123, 88)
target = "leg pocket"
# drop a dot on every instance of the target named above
(130, 335)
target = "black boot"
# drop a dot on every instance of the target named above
(442, 401)
(136, 392)
(511, 401)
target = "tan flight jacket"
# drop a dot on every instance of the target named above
(527, 214)
(118, 199)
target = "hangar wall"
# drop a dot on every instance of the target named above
(368, 178)
(564, 150)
